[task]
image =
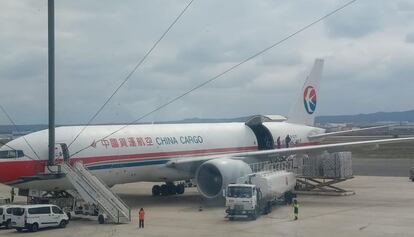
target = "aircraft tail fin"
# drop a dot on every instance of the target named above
(305, 108)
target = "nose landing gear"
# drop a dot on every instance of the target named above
(168, 188)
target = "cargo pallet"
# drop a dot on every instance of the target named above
(321, 186)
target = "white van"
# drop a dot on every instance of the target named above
(6, 215)
(34, 217)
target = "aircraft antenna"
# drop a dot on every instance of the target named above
(224, 72)
(129, 75)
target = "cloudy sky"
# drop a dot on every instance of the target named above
(368, 48)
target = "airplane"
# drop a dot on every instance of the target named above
(212, 154)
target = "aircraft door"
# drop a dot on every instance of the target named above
(61, 153)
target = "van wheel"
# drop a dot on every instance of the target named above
(34, 227)
(101, 219)
(8, 224)
(63, 224)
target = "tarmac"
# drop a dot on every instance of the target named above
(382, 206)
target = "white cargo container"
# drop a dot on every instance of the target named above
(258, 192)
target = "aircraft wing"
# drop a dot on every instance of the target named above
(192, 162)
(323, 135)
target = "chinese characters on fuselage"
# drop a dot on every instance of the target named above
(149, 141)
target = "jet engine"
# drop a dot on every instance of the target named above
(214, 175)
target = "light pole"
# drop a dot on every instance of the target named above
(51, 78)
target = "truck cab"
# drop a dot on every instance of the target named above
(241, 200)
(256, 193)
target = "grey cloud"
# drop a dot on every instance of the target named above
(99, 42)
(357, 20)
(409, 38)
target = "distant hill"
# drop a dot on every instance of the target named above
(9, 129)
(404, 116)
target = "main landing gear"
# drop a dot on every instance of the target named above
(168, 189)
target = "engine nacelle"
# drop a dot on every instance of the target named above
(214, 175)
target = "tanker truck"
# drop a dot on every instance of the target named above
(256, 193)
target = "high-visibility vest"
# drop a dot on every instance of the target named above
(296, 205)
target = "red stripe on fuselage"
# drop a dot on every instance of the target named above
(14, 170)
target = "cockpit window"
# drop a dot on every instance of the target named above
(9, 154)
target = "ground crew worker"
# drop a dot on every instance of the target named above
(12, 193)
(296, 208)
(287, 141)
(141, 216)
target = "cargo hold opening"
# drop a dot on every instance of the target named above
(264, 137)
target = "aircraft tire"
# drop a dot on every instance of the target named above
(164, 190)
(156, 190)
(180, 189)
(172, 189)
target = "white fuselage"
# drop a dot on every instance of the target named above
(139, 152)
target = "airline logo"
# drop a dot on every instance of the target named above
(309, 99)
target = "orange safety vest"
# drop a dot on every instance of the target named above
(141, 215)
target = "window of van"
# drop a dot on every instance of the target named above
(9, 210)
(18, 211)
(57, 210)
(39, 210)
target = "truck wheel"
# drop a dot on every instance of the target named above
(270, 207)
(288, 197)
(101, 219)
(34, 227)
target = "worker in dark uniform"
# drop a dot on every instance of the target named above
(287, 140)
(12, 193)
(141, 216)
(296, 208)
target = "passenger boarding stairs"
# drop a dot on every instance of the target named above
(94, 191)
